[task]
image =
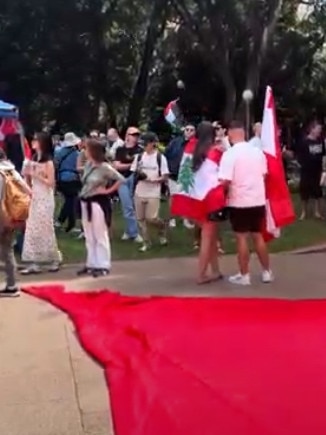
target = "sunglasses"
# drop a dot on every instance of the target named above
(134, 134)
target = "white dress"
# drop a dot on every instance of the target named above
(40, 243)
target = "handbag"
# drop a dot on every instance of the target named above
(219, 215)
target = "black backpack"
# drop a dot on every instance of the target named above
(139, 157)
(159, 162)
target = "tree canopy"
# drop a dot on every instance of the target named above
(83, 63)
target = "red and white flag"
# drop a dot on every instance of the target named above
(12, 126)
(279, 206)
(173, 113)
(200, 192)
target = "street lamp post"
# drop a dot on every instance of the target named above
(247, 97)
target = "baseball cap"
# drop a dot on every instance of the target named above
(149, 137)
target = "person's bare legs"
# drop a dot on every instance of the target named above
(205, 251)
(161, 227)
(243, 253)
(214, 258)
(197, 234)
(318, 208)
(304, 210)
(261, 250)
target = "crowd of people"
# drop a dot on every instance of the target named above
(92, 172)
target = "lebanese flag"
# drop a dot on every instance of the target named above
(11, 126)
(172, 112)
(279, 208)
(200, 192)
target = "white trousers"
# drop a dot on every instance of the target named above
(97, 238)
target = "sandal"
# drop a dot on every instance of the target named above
(216, 278)
(204, 280)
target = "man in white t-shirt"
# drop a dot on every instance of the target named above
(256, 139)
(151, 171)
(242, 170)
(115, 142)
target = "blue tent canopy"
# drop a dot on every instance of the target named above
(8, 110)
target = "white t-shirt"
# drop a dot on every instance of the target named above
(245, 167)
(256, 142)
(113, 150)
(149, 165)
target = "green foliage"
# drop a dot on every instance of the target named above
(87, 63)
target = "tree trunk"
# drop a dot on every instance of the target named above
(260, 47)
(231, 101)
(154, 31)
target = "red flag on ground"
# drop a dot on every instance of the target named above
(200, 192)
(279, 206)
(205, 366)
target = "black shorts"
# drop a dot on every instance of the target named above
(247, 220)
(310, 186)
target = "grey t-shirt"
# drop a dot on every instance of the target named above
(98, 176)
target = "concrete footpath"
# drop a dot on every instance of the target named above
(49, 386)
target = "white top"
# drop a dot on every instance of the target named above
(256, 142)
(245, 167)
(113, 150)
(148, 165)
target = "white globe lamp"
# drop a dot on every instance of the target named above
(248, 96)
(180, 84)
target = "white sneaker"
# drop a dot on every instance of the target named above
(33, 269)
(81, 236)
(239, 279)
(267, 276)
(75, 231)
(144, 248)
(57, 224)
(172, 223)
(188, 224)
(125, 237)
(139, 239)
(163, 241)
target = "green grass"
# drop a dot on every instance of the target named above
(298, 235)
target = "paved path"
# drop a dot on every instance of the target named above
(49, 386)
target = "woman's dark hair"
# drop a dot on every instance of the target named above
(3, 155)
(312, 124)
(96, 150)
(46, 147)
(14, 150)
(206, 136)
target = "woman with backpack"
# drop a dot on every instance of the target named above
(11, 184)
(68, 179)
(151, 171)
(40, 244)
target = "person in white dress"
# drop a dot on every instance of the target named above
(40, 243)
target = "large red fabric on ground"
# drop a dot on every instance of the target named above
(205, 366)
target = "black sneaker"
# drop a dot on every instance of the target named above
(10, 293)
(97, 273)
(84, 271)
